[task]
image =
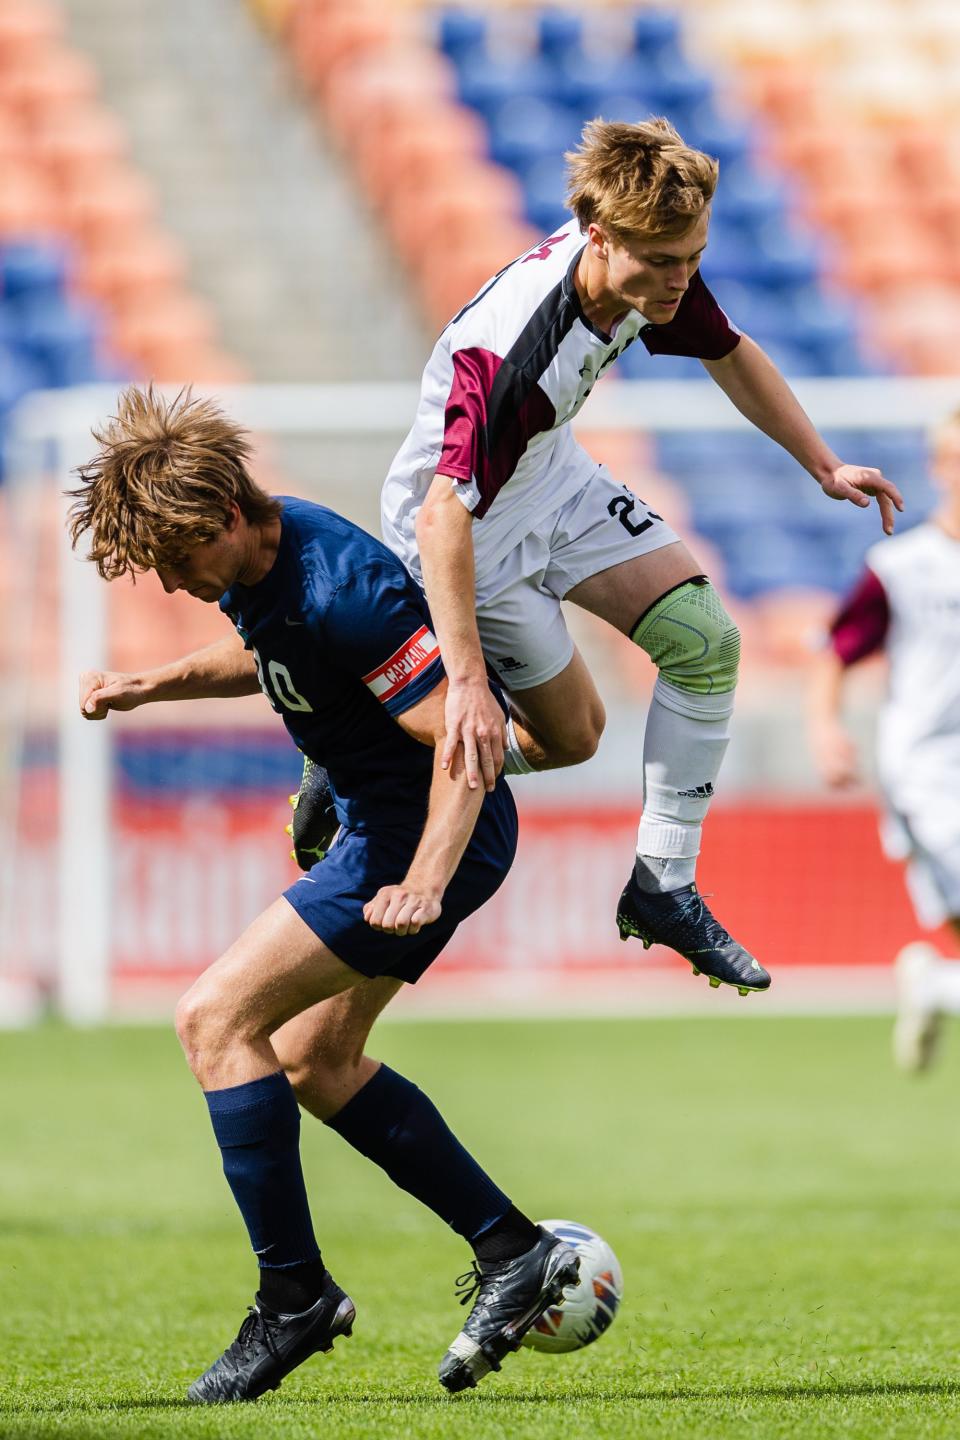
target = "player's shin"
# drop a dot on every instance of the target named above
(394, 1124)
(696, 648)
(684, 745)
(257, 1126)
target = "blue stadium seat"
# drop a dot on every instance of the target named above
(524, 129)
(461, 32)
(60, 340)
(727, 140)
(559, 30)
(656, 33)
(33, 271)
(485, 82)
(749, 198)
(679, 88)
(585, 81)
(18, 375)
(544, 183)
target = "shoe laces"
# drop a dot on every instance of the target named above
(692, 911)
(468, 1284)
(255, 1330)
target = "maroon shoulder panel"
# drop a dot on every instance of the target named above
(861, 624)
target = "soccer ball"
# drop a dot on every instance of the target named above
(588, 1308)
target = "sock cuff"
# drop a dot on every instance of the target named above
(514, 760)
(387, 1096)
(664, 841)
(715, 706)
(252, 1112)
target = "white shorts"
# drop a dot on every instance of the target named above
(522, 629)
(933, 861)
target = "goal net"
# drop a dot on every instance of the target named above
(134, 850)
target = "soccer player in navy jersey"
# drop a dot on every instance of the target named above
(500, 514)
(336, 633)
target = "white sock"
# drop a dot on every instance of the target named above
(943, 980)
(514, 760)
(685, 742)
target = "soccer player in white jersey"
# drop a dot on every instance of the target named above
(500, 514)
(907, 604)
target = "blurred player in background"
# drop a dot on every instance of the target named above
(907, 605)
(500, 514)
(335, 632)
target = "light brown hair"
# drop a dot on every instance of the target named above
(162, 481)
(638, 179)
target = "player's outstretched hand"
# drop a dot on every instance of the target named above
(473, 719)
(104, 690)
(399, 910)
(858, 483)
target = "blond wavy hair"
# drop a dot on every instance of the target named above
(638, 180)
(162, 481)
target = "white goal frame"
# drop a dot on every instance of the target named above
(60, 421)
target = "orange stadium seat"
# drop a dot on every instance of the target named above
(115, 199)
(324, 36)
(71, 139)
(28, 203)
(132, 267)
(156, 325)
(364, 95)
(54, 77)
(26, 28)
(431, 225)
(423, 144)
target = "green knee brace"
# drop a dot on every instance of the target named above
(691, 639)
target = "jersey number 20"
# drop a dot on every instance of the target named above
(281, 690)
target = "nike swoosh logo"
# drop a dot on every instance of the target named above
(288, 621)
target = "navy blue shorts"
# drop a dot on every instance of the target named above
(330, 899)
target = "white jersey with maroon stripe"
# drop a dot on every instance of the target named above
(908, 604)
(505, 378)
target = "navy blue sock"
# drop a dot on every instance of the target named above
(257, 1126)
(395, 1125)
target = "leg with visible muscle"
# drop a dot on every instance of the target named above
(555, 724)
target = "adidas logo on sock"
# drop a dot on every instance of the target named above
(700, 792)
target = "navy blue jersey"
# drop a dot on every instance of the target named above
(343, 644)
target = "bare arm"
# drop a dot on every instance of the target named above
(755, 386)
(833, 750)
(451, 815)
(473, 717)
(224, 668)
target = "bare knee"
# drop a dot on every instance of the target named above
(205, 1024)
(578, 740)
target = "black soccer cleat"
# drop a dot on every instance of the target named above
(511, 1295)
(315, 821)
(681, 920)
(269, 1346)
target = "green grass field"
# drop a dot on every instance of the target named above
(786, 1208)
